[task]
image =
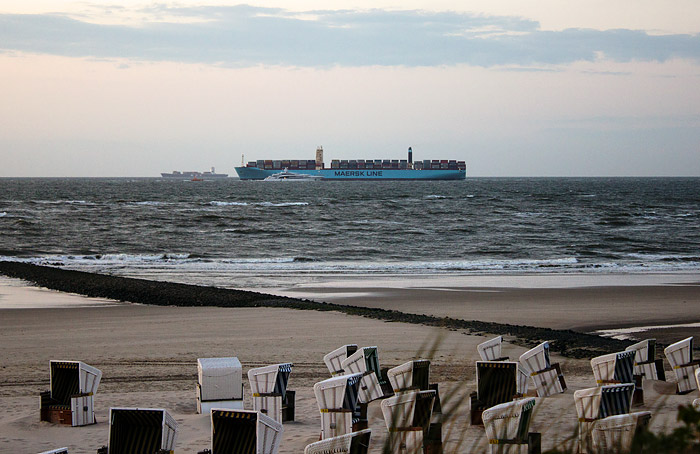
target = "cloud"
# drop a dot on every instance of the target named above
(241, 36)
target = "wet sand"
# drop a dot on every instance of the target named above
(148, 357)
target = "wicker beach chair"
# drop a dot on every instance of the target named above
(415, 375)
(491, 350)
(352, 443)
(615, 434)
(497, 382)
(335, 358)
(140, 431)
(645, 362)
(365, 361)
(407, 416)
(71, 397)
(243, 432)
(219, 384)
(547, 377)
(680, 356)
(337, 400)
(271, 397)
(507, 427)
(597, 403)
(614, 368)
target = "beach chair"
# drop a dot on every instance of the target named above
(270, 394)
(71, 397)
(337, 400)
(597, 403)
(680, 356)
(491, 350)
(614, 368)
(645, 362)
(243, 432)
(407, 417)
(497, 382)
(219, 384)
(140, 431)
(615, 434)
(352, 443)
(335, 358)
(415, 375)
(365, 361)
(56, 451)
(547, 377)
(507, 427)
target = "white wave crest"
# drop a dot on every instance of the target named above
(217, 203)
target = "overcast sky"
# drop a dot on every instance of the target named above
(514, 87)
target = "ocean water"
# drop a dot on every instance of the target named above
(234, 233)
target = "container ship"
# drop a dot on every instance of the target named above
(190, 175)
(360, 169)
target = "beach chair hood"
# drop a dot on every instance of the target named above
(141, 430)
(244, 432)
(335, 358)
(338, 393)
(270, 380)
(411, 375)
(72, 377)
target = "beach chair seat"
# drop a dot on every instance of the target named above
(615, 434)
(365, 361)
(597, 403)
(268, 385)
(491, 350)
(352, 443)
(334, 359)
(407, 417)
(507, 427)
(547, 377)
(645, 362)
(497, 382)
(141, 431)
(337, 399)
(680, 357)
(219, 384)
(71, 397)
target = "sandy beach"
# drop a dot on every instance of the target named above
(148, 354)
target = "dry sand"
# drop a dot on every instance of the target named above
(148, 358)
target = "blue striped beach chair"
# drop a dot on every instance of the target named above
(597, 403)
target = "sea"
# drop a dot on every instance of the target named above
(256, 234)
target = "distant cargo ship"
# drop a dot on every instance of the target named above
(177, 175)
(361, 169)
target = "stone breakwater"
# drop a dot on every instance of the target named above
(568, 343)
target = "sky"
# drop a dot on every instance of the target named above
(513, 87)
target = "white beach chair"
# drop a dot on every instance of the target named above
(680, 356)
(219, 384)
(71, 397)
(355, 443)
(337, 401)
(497, 382)
(244, 431)
(365, 361)
(507, 426)
(597, 403)
(614, 368)
(491, 349)
(271, 397)
(141, 431)
(407, 417)
(56, 451)
(645, 362)
(615, 434)
(335, 358)
(547, 377)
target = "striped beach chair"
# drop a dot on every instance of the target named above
(71, 397)
(270, 394)
(141, 431)
(645, 362)
(614, 368)
(407, 417)
(337, 400)
(615, 434)
(507, 427)
(680, 356)
(352, 443)
(546, 377)
(491, 350)
(335, 358)
(244, 432)
(497, 382)
(365, 361)
(597, 403)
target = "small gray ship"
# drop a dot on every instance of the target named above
(193, 175)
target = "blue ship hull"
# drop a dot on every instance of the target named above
(255, 173)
